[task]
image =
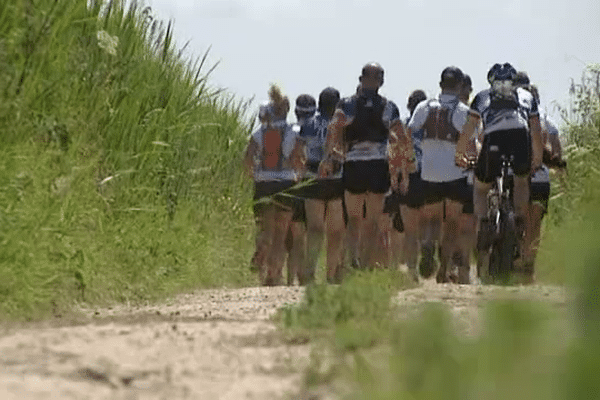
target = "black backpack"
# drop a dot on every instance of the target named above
(503, 95)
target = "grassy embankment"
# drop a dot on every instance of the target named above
(526, 350)
(117, 162)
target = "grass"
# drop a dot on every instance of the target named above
(117, 160)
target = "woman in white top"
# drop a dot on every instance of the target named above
(275, 159)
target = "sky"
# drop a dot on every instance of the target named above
(307, 45)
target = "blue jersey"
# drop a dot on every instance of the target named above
(314, 135)
(347, 110)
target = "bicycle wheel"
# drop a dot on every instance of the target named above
(507, 246)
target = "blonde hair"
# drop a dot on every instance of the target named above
(279, 102)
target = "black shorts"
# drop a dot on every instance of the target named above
(366, 176)
(322, 189)
(515, 142)
(276, 193)
(457, 190)
(414, 197)
(540, 193)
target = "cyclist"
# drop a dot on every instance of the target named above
(275, 158)
(511, 126)
(324, 214)
(444, 185)
(358, 137)
(305, 108)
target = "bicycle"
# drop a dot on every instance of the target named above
(498, 242)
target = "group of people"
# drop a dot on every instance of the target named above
(383, 192)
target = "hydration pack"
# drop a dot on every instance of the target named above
(272, 154)
(503, 95)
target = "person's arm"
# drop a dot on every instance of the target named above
(298, 158)
(537, 143)
(466, 141)
(401, 155)
(249, 156)
(334, 143)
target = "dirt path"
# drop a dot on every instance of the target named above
(214, 344)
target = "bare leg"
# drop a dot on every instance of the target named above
(433, 214)
(297, 256)
(374, 203)
(450, 239)
(412, 226)
(466, 243)
(532, 240)
(334, 222)
(276, 259)
(315, 215)
(382, 256)
(354, 207)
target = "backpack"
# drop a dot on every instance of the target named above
(272, 154)
(503, 95)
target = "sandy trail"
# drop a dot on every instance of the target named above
(213, 344)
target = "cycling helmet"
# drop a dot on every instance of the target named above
(501, 72)
(328, 99)
(373, 69)
(451, 77)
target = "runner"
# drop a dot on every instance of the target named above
(511, 126)
(540, 187)
(410, 199)
(324, 214)
(261, 247)
(358, 137)
(274, 158)
(444, 185)
(306, 106)
(464, 244)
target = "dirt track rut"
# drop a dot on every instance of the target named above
(214, 344)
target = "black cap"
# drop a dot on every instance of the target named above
(328, 98)
(415, 98)
(451, 77)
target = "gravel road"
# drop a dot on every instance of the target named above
(213, 344)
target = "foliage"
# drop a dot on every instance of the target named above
(117, 160)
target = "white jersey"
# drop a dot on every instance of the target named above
(275, 145)
(438, 155)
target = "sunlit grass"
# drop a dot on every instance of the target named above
(120, 174)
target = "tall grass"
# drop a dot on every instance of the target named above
(575, 193)
(117, 160)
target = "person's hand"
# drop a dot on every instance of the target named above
(325, 168)
(461, 160)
